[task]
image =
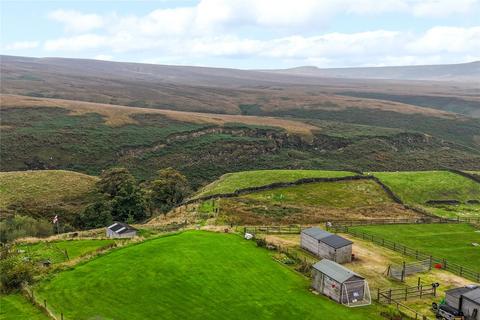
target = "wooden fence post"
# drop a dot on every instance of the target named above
(45, 303)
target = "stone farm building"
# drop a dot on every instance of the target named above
(340, 284)
(465, 300)
(324, 244)
(121, 230)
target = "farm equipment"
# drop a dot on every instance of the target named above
(446, 312)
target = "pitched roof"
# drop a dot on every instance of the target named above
(457, 292)
(336, 241)
(316, 233)
(335, 271)
(330, 239)
(120, 228)
(473, 295)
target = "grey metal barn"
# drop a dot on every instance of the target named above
(326, 245)
(340, 284)
(466, 300)
(121, 230)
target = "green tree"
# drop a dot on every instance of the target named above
(119, 188)
(167, 190)
(95, 215)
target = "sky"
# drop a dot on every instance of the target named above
(246, 34)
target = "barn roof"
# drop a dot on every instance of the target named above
(336, 241)
(461, 291)
(335, 271)
(316, 233)
(473, 295)
(330, 239)
(120, 228)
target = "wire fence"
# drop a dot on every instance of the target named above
(400, 271)
(435, 262)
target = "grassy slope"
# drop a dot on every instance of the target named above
(206, 275)
(309, 204)
(15, 307)
(239, 180)
(418, 187)
(47, 187)
(449, 241)
(342, 194)
(55, 250)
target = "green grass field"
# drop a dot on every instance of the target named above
(233, 181)
(44, 187)
(16, 307)
(192, 275)
(450, 241)
(55, 251)
(341, 194)
(419, 187)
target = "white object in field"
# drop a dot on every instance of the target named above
(475, 244)
(248, 236)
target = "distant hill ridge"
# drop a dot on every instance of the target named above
(457, 72)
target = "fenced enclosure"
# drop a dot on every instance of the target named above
(435, 262)
(400, 271)
(386, 296)
(356, 293)
(395, 295)
(273, 229)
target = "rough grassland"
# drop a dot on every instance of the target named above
(311, 203)
(341, 194)
(116, 115)
(419, 187)
(192, 275)
(55, 250)
(48, 187)
(450, 241)
(16, 307)
(239, 180)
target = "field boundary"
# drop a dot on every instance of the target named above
(435, 262)
(302, 181)
(274, 185)
(464, 174)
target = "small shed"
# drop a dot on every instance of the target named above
(326, 245)
(466, 300)
(340, 284)
(121, 230)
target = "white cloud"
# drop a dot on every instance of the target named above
(270, 29)
(443, 8)
(76, 43)
(75, 21)
(22, 45)
(104, 57)
(440, 40)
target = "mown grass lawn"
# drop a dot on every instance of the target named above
(55, 250)
(450, 241)
(238, 180)
(16, 307)
(192, 275)
(341, 194)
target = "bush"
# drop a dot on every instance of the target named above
(14, 271)
(21, 226)
(261, 242)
